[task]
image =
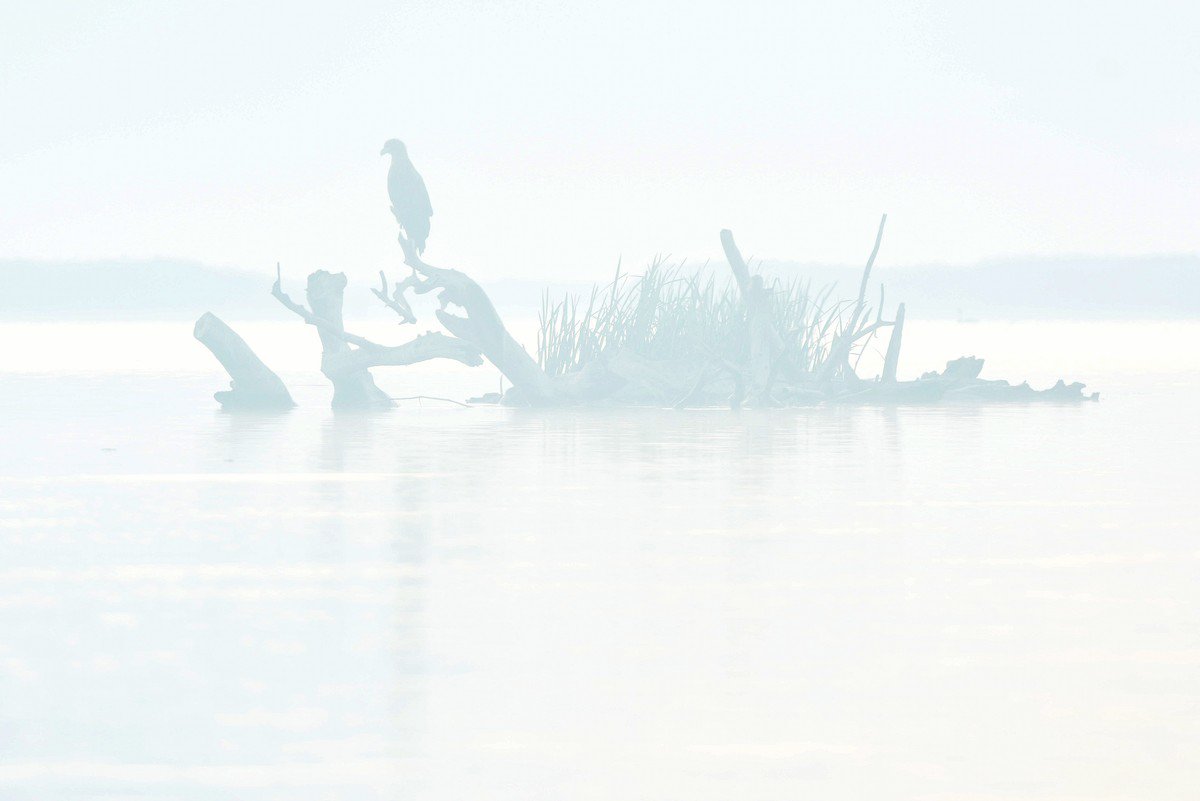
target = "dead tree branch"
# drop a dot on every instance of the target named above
(892, 359)
(347, 367)
(396, 301)
(483, 328)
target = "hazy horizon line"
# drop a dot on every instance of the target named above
(754, 260)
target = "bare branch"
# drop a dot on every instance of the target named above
(862, 287)
(396, 301)
(324, 326)
(428, 346)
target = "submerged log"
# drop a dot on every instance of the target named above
(958, 371)
(960, 381)
(253, 385)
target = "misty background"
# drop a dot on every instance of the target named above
(856, 599)
(152, 146)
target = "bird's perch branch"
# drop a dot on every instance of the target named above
(483, 328)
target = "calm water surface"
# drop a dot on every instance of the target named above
(441, 603)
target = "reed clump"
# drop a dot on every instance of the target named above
(672, 312)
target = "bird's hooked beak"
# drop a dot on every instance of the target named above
(383, 152)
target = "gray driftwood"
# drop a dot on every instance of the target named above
(253, 385)
(770, 372)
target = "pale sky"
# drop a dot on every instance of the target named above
(555, 137)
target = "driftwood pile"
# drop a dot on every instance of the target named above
(772, 365)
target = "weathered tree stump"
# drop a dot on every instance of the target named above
(353, 385)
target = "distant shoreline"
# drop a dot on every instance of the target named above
(1152, 288)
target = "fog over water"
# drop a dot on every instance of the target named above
(439, 603)
(711, 533)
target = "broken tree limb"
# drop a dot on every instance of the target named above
(891, 359)
(862, 287)
(396, 301)
(252, 384)
(765, 342)
(741, 272)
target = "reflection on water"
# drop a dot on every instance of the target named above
(440, 603)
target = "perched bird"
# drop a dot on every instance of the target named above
(410, 200)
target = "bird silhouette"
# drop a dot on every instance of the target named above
(410, 199)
